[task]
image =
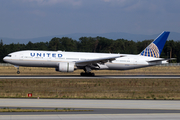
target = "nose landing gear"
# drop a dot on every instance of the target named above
(18, 72)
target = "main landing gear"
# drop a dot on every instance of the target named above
(87, 72)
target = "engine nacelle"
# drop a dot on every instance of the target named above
(65, 67)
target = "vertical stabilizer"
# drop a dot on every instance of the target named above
(156, 47)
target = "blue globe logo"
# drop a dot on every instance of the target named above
(151, 51)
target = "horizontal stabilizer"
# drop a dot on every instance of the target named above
(161, 59)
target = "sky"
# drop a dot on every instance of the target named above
(38, 18)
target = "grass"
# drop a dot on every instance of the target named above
(155, 70)
(91, 88)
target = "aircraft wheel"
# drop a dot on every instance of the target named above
(92, 74)
(87, 74)
(82, 74)
(18, 72)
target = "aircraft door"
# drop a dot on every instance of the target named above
(135, 61)
(20, 56)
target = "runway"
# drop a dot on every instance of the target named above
(93, 117)
(92, 103)
(91, 111)
(89, 77)
(102, 109)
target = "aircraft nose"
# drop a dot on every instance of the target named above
(5, 59)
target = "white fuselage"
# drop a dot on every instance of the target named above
(34, 58)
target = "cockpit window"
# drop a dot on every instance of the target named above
(8, 55)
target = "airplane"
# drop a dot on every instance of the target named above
(69, 61)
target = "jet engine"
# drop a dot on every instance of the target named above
(65, 67)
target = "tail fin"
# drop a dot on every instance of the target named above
(156, 47)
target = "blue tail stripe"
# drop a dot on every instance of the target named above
(161, 40)
(156, 47)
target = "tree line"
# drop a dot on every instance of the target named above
(93, 44)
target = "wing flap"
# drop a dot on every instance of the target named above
(99, 60)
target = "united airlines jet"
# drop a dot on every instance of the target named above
(70, 61)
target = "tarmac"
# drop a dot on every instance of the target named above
(101, 109)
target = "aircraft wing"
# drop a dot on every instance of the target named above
(161, 59)
(99, 60)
